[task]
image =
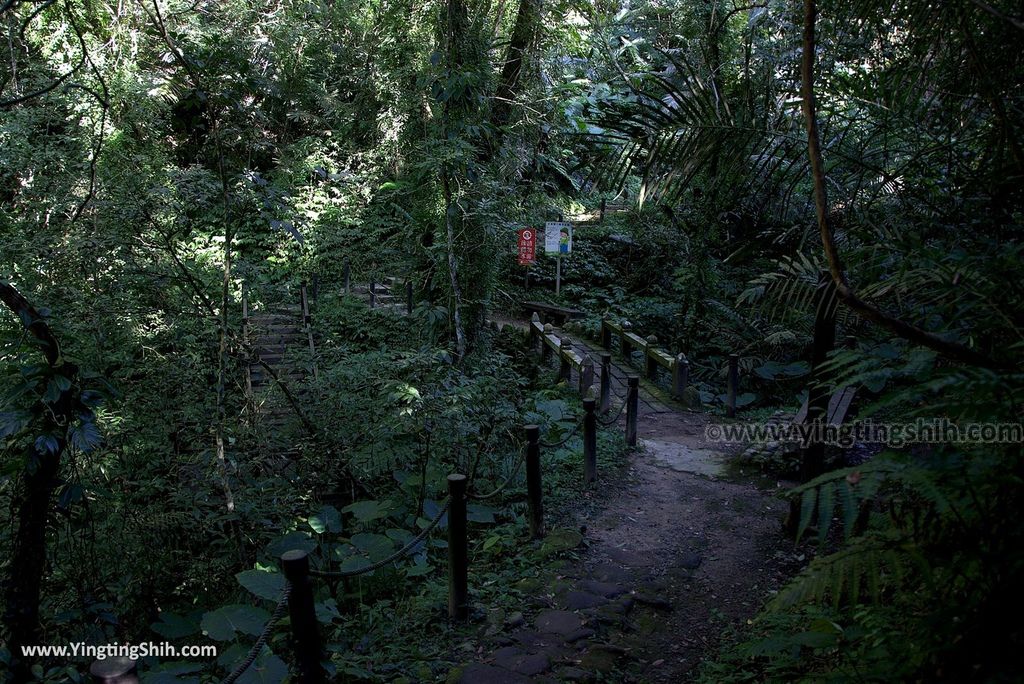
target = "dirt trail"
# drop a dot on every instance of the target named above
(675, 554)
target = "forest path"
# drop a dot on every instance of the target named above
(671, 553)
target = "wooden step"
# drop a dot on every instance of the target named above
(280, 339)
(290, 331)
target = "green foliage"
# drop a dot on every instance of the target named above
(193, 152)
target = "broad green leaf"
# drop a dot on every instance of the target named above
(13, 422)
(806, 511)
(173, 626)
(223, 623)
(376, 546)
(268, 669)
(366, 511)
(480, 513)
(327, 520)
(745, 398)
(327, 611)
(85, 436)
(267, 585)
(47, 444)
(418, 569)
(57, 385)
(293, 540)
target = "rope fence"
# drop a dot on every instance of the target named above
(297, 596)
(565, 440)
(261, 640)
(502, 486)
(615, 419)
(409, 546)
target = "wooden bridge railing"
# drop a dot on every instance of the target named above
(569, 359)
(677, 366)
(553, 345)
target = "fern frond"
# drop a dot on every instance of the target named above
(882, 562)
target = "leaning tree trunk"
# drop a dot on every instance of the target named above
(28, 558)
(866, 310)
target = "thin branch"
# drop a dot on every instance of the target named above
(104, 101)
(32, 321)
(996, 13)
(4, 104)
(953, 350)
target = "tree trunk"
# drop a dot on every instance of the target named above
(912, 333)
(524, 34)
(28, 558)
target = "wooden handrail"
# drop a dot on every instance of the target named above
(582, 363)
(676, 365)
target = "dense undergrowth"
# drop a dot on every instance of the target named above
(158, 159)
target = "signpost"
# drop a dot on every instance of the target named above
(527, 246)
(558, 241)
(527, 250)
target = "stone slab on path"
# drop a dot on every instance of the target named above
(479, 673)
(686, 459)
(560, 622)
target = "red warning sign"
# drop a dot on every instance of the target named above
(527, 246)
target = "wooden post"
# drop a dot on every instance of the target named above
(651, 365)
(589, 441)
(680, 376)
(373, 294)
(246, 339)
(603, 206)
(347, 275)
(545, 350)
(114, 671)
(606, 334)
(534, 491)
(586, 376)
(458, 549)
(812, 459)
(734, 381)
(632, 406)
(305, 631)
(627, 348)
(304, 302)
(408, 297)
(307, 321)
(606, 381)
(565, 370)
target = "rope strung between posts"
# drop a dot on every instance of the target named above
(572, 434)
(261, 640)
(413, 543)
(613, 420)
(611, 386)
(515, 471)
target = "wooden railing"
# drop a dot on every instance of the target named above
(677, 366)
